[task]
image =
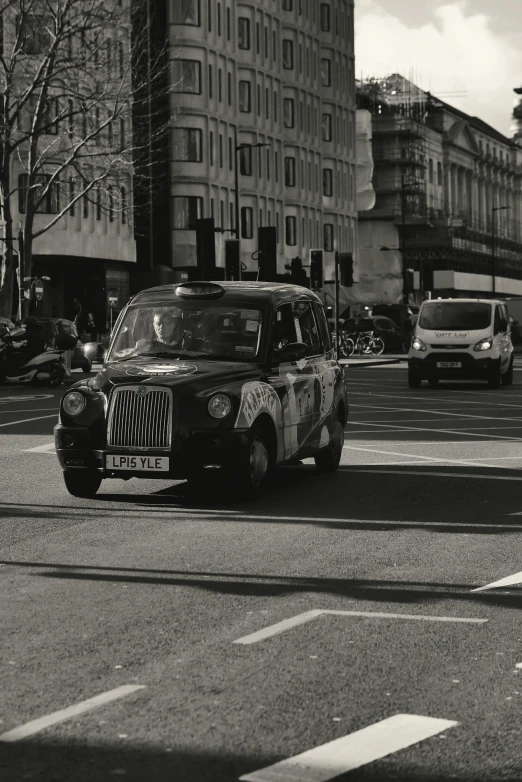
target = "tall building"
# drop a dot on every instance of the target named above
(449, 200)
(277, 75)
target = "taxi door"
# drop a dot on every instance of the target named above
(296, 382)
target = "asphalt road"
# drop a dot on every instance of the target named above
(149, 589)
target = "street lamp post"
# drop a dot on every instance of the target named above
(238, 148)
(493, 248)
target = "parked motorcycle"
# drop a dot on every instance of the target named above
(46, 368)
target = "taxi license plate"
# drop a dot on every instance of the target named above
(137, 463)
(449, 364)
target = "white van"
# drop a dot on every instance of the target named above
(457, 339)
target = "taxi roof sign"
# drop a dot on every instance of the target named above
(201, 290)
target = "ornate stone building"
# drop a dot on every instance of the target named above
(449, 200)
(275, 73)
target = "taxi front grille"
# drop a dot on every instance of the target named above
(140, 419)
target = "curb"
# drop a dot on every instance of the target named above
(345, 362)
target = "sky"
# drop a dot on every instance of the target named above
(469, 52)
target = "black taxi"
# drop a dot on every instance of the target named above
(235, 377)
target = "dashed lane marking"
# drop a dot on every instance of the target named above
(29, 410)
(28, 420)
(516, 578)
(309, 616)
(36, 726)
(392, 428)
(446, 412)
(25, 398)
(354, 750)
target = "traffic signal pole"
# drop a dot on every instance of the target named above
(337, 340)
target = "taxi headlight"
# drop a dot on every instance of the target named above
(484, 344)
(418, 344)
(219, 406)
(73, 403)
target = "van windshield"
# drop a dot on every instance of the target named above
(455, 316)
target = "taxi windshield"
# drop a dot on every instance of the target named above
(215, 330)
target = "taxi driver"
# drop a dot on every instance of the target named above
(168, 332)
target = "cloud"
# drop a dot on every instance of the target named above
(455, 52)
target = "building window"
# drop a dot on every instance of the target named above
(124, 205)
(290, 172)
(229, 25)
(187, 145)
(288, 5)
(325, 19)
(220, 84)
(258, 100)
(186, 210)
(439, 173)
(230, 155)
(110, 199)
(186, 12)
(268, 169)
(266, 42)
(328, 231)
(258, 38)
(326, 72)
(288, 54)
(98, 203)
(229, 88)
(267, 102)
(327, 127)
(243, 33)
(245, 161)
(220, 151)
(33, 33)
(247, 222)
(430, 170)
(291, 231)
(50, 202)
(245, 96)
(219, 19)
(211, 148)
(327, 182)
(209, 15)
(187, 76)
(210, 82)
(289, 113)
(275, 106)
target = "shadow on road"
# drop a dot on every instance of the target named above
(56, 762)
(268, 585)
(477, 501)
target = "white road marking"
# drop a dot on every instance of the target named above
(442, 431)
(48, 448)
(431, 459)
(308, 616)
(427, 400)
(518, 665)
(29, 410)
(25, 398)
(452, 415)
(27, 420)
(35, 726)
(516, 578)
(477, 476)
(353, 751)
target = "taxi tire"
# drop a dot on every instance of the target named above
(328, 459)
(507, 377)
(251, 470)
(495, 378)
(82, 483)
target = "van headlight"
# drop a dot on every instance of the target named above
(73, 403)
(418, 344)
(484, 344)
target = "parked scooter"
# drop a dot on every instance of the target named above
(46, 368)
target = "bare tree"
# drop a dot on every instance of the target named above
(72, 75)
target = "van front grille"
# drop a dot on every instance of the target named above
(140, 418)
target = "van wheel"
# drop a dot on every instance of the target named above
(507, 378)
(414, 379)
(247, 477)
(494, 378)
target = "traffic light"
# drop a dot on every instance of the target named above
(267, 254)
(232, 260)
(297, 273)
(345, 261)
(316, 270)
(206, 248)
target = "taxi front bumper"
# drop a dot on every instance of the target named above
(199, 449)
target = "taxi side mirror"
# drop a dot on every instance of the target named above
(294, 351)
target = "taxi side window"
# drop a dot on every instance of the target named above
(323, 327)
(306, 327)
(284, 327)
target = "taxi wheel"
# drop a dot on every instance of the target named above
(328, 459)
(249, 476)
(83, 483)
